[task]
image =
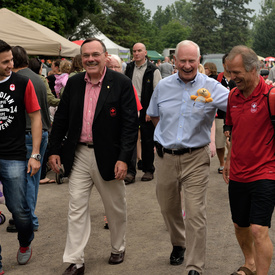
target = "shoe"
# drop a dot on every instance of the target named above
(177, 255)
(220, 170)
(1, 271)
(72, 270)
(24, 254)
(129, 179)
(12, 228)
(106, 226)
(116, 258)
(147, 176)
(193, 272)
(139, 165)
(245, 270)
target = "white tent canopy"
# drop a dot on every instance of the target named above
(36, 39)
(113, 48)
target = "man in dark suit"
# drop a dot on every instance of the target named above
(98, 116)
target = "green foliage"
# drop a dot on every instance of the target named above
(205, 26)
(234, 23)
(172, 33)
(263, 30)
(61, 16)
(216, 25)
(125, 22)
(172, 24)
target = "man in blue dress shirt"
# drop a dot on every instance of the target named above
(182, 137)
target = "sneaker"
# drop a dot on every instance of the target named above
(1, 271)
(12, 228)
(24, 254)
(220, 169)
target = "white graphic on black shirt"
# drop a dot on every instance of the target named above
(7, 109)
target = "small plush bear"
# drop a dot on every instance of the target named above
(203, 96)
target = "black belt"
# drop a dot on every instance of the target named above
(89, 145)
(161, 150)
(180, 151)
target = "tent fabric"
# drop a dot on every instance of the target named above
(270, 58)
(36, 39)
(112, 47)
(155, 56)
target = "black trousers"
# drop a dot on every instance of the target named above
(147, 149)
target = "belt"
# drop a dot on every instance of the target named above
(89, 145)
(180, 151)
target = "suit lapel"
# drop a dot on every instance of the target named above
(104, 92)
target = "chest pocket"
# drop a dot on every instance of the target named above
(198, 110)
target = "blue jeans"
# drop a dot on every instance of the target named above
(33, 182)
(13, 175)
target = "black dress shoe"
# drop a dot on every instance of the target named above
(129, 179)
(72, 270)
(177, 255)
(193, 272)
(116, 258)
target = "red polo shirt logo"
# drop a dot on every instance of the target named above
(254, 107)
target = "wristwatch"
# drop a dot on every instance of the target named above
(36, 156)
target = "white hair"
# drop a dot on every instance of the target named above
(117, 58)
(187, 43)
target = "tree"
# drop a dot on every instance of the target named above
(205, 25)
(61, 16)
(172, 24)
(234, 23)
(173, 33)
(161, 18)
(180, 11)
(125, 22)
(263, 30)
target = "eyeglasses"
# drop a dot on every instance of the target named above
(94, 55)
(113, 67)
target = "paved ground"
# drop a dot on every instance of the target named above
(148, 246)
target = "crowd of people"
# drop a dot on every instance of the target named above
(105, 120)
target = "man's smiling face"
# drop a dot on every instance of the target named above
(187, 62)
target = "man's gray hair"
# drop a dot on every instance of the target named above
(187, 43)
(250, 58)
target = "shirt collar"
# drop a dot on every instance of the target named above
(143, 65)
(87, 78)
(191, 82)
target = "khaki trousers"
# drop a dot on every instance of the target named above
(83, 177)
(188, 173)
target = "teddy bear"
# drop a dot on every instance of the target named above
(203, 96)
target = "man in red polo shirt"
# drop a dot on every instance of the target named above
(250, 165)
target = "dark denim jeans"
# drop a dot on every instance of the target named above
(13, 174)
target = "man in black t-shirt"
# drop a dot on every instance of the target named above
(17, 95)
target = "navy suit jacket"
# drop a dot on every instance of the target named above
(115, 124)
